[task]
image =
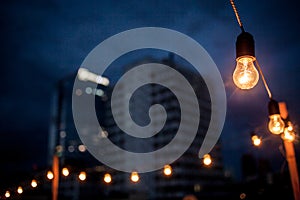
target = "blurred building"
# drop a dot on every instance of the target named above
(189, 175)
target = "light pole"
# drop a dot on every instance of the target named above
(245, 77)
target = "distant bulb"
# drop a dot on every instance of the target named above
(134, 177)
(107, 178)
(288, 133)
(207, 159)
(245, 75)
(276, 125)
(167, 170)
(7, 194)
(65, 171)
(20, 190)
(33, 183)
(256, 140)
(82, 176)
(50, 175)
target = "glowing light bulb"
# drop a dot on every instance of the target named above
(276, 125)
(167, 170)
(207, 159)
(256, 140)
(245, 75)
(65, 171)
(288, 133)
(82, 176)
(50, 175)
(107, 178)
(7, 194)
(134, 177)
(34, 183)
(20, 190)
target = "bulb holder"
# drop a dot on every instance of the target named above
(245, 45)
(273, 107)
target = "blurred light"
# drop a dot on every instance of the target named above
(82, 176)
(20, 190)
(71, 148)
(86, 75)
(289, 133)
(78, 92)
(256, 140)
(34, 183)
(81, 148)
(7, 194)
(207, 159)
(242, 196)
(167, 170)
(107, 178)
(63, 134)
(50, 175)
(65, 171)
(197, 188)
(88, 90)
(134, 177)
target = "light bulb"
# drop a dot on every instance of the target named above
(20, 190)
(256, 140)
(167, 170)
(245, 75)
(50, 175)
(207, 159)
(65, 171)
(107, 178)
(33, 183)
(82, 176)
(276, 125)
(288, 133)
(134, 177)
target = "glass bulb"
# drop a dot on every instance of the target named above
(276, 125)
(245, 75)
(289, 133)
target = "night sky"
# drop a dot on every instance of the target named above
(44, 41)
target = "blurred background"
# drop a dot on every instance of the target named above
(43, 46)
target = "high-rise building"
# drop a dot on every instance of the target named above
(189, 175)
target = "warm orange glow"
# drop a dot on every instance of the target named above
(167, 170)
(256, 140)
(207, 159)
(50, 175)
(134, 177)
(20, 190)
(7, 194)
(288, 133)
(33, 183)
(245, 75)
(107, 178)
(65, 171)
(82, 176)
(276, 125)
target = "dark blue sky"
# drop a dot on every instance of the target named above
(44, 41)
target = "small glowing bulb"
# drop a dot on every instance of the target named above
(107, 178)
(20, 190)
(82, 176)
(134, 177)
(65, 171)
(245, 75)
(33, 183)
(276, 125)
(207, 159)
(288, 133)
(7, 194)
(50, 175)
(256, 140)
(167, 170)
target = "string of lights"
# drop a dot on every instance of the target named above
(47, 176)
(245, 77)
